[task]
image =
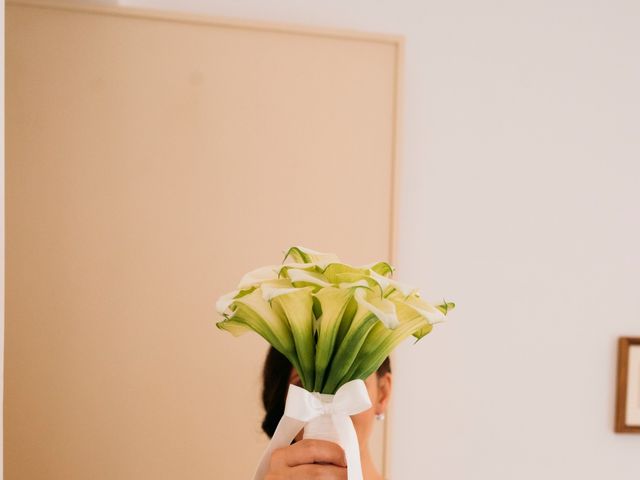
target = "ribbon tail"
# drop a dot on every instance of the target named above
(349, 440)
(286, 431)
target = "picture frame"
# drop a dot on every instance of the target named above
(627, 419)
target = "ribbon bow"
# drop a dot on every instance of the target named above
(303, 406)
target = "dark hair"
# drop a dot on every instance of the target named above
(275, 384)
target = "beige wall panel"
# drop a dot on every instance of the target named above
(151, 160)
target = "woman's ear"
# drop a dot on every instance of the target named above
(385, 383)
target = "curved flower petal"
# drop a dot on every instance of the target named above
(307, 278)
(259, 275)
(306, 255)
(359, 283)
(333, 304)
(430, 312)
(296, 306)
(386, 283)
(382, 308)
(233, 326)
(381, 268)
(348, 347)
(446, 306)
(341, 272)
(223, 303)
(274, 288)
(256, 314)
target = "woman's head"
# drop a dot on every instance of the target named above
(278, 374)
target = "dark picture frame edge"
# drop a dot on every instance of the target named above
(620, 426)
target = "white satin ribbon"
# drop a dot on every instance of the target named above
(303, 406)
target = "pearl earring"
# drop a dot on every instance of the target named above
(380, 416)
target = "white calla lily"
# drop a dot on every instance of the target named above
(223, 303)
(296, 306)
(386, 282)
(424, 308)
(305, 276)
(382, 268)
(259, 275)
(271, 291)
(334, 304)
(359, 283)
(306, 255)
(382, 308)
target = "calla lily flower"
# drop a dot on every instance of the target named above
(430, 312)
(306, 255)
(271, 290)
(296, 306)
(305, 277)
(383, 309)
(259, 275)
(333, 303)
(333, 321)
(388, 284)
(225, 301)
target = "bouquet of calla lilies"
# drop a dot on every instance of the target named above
(334, 322)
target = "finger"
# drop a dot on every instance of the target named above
(316, 451)
(318, 472)
(310, 451)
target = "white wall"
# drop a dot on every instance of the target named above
(520, 201)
